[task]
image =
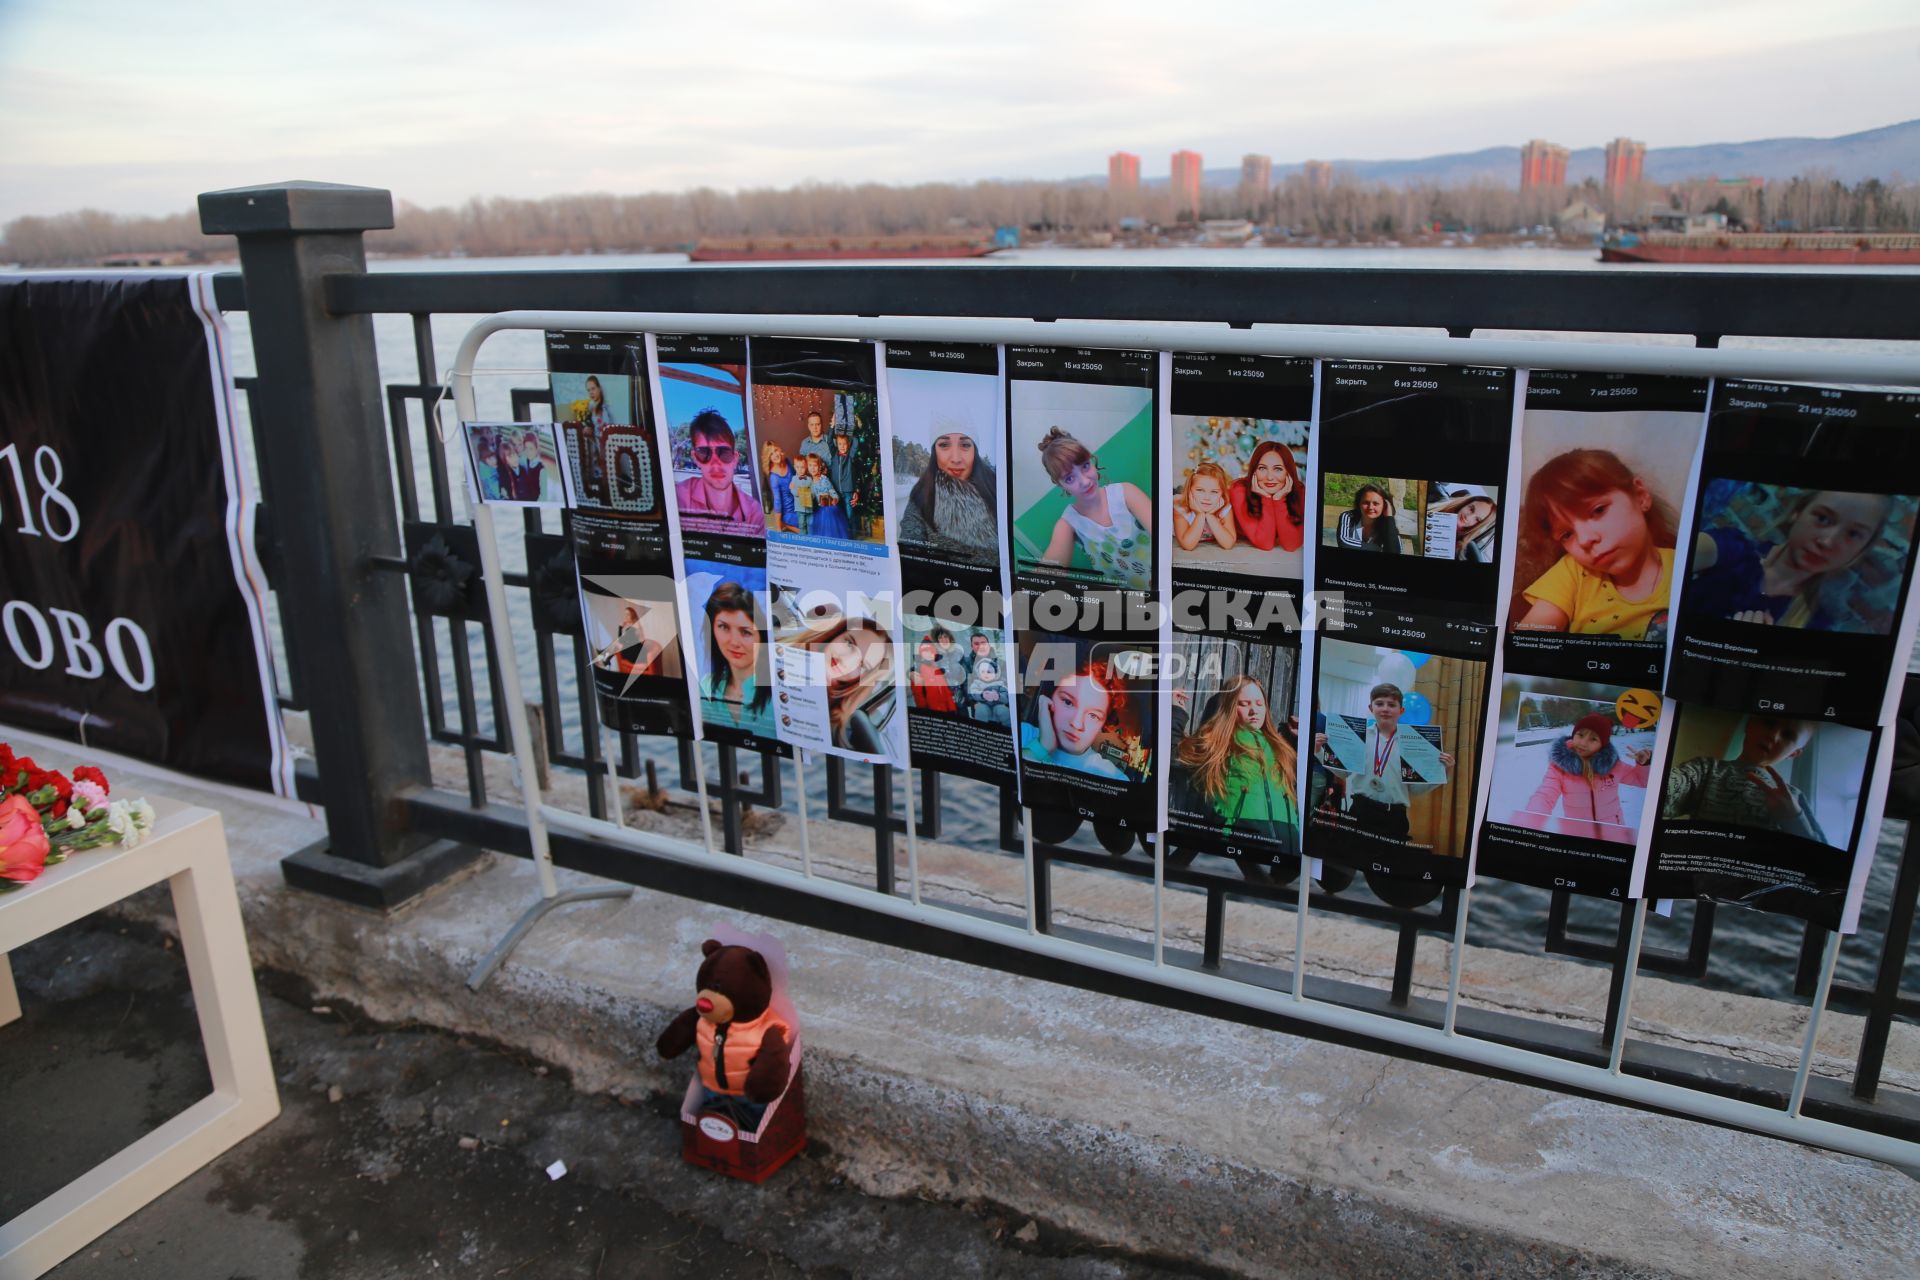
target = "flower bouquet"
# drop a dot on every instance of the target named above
(45, 816)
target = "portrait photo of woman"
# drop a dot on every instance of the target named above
(735, 692)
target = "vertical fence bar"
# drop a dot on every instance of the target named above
(806, 835)
(913, 843)
(1300, 929)
(1459, 950)
(1159, 893)
(1617, 1054)
(319, 389)
(1805, 1072)
(1032, 884)
(1893, 963)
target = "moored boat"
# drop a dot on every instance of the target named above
(835, 248)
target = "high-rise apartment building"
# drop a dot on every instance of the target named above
(1186, 183)
(1318, 173)
(1542, 165)
(1624, 160)
(1256, 174)
(1123, 172)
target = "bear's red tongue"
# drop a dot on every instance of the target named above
(703, 1004)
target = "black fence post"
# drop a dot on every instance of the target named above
(328, 483)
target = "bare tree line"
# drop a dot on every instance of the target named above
(1345, 210)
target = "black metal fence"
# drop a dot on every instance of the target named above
(360, 581)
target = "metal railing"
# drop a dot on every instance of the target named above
(393, 831)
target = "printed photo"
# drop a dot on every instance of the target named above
(946, 439)
(1439, 520)
(594, 399)
(514, 464)
(958, 671)
(1239, 505)
(1087, 706)
(1233, 770)
(1600, 496)
(1082, 473)
(1573, 757)
(1766, 774)
(1812, 559)
(820, 463)
(712, 448)
(837, 665)
(630, 635)
(1395, 737)
(736, 689)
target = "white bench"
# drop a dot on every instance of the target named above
(188, 850)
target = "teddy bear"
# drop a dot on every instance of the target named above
(744, 1046)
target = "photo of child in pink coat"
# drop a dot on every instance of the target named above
(1582, 781)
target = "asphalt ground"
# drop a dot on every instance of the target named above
(409, 1152)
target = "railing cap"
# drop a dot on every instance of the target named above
(295, 206)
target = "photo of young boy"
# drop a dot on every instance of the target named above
(1394, 741)
(1766, 774)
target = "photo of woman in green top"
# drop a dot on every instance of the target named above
(1238, 765)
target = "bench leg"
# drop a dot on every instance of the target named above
(9, 998)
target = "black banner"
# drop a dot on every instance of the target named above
(134, 617)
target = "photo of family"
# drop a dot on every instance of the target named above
(958, 671)
(1766, 774)
(1082, 473)
(1083, 708)
(1395, 739)
(819, 463)
(1234, 777)
(712, 449)
(1573, 757)
(946, 438)
(735, 676)
(1600, 496)
(1239, 505)
(1438, 520)
(629, 636)
(1811, 559)
(513, 464)
(838, 683)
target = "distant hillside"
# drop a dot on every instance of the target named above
(1888, 153)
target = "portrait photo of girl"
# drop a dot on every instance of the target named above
(1082, 477)
(856, 664)
(1363, 516)
(1079, 712)
(736, 691)
(1234, 765)
(1817, 559)
(1606, 535)
(1599, 499)
(947, 441)
(1572, 757)
(1201, 514)
(1462, 522)
(1106, 525)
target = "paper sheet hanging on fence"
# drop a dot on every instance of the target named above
(1409, 479)
(1798, 568)
(944, 413)
(1240, 427)
(703, 424)
(833, 578)
(624, 560)
(1770, 812)
(1087, 443)
(1601, 475)
(513, 464)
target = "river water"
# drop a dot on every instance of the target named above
(1753, 953)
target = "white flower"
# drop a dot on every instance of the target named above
(120, 821)
(75, 818)
(143, 816)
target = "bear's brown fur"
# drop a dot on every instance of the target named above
(735, 983)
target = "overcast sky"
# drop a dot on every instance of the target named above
(138, 107)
